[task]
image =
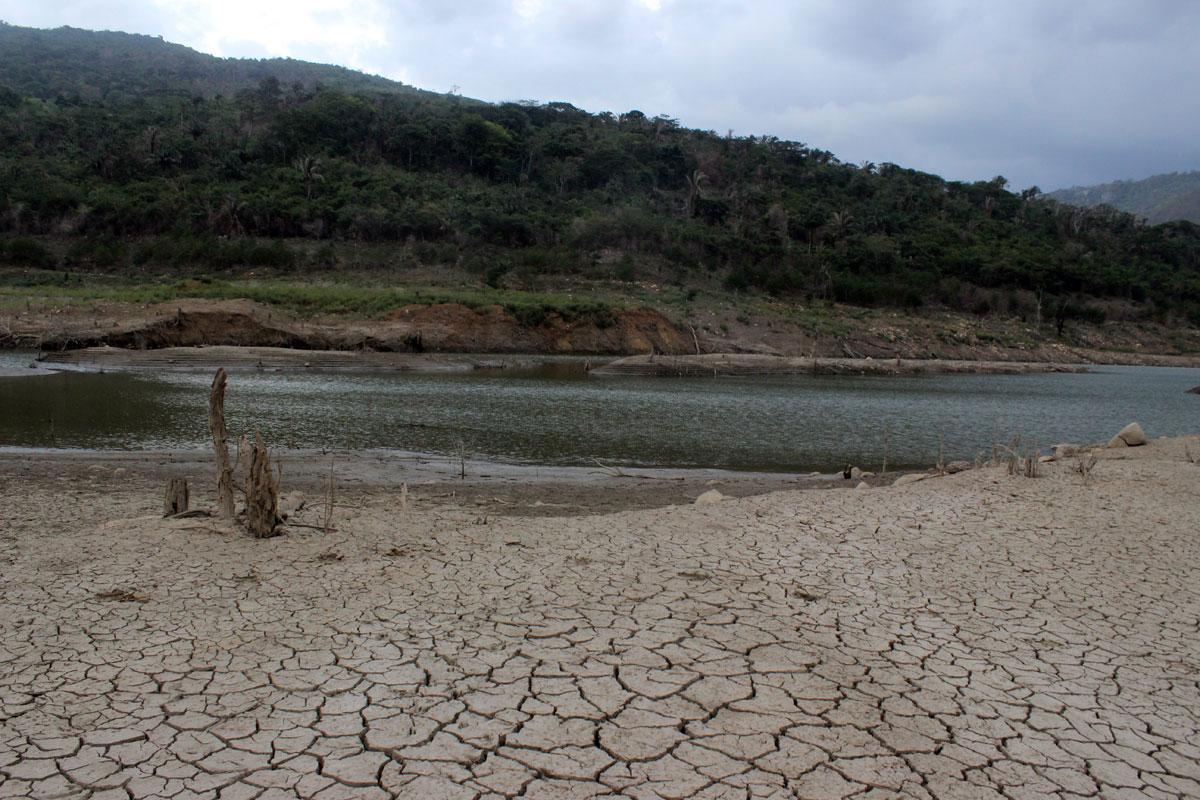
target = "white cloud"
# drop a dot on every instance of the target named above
(339, 31)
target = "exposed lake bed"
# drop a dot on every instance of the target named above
(951, 638)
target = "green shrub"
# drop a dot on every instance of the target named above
(30, 253)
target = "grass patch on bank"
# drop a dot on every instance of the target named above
(307, 299)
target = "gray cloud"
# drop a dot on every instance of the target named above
(1044, 92)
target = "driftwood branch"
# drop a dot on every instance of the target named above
(617, 472)
(294, 524)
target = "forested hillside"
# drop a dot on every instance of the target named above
(1159, 198)
(145, 156)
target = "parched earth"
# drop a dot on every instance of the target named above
(975, 636)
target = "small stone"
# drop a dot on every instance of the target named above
(957, 466)
(709, 498)
(292, 503)
(863, 485)
(855, 474)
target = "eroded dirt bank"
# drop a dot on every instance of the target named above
(975, 636)
(444, 328)
(452, 328)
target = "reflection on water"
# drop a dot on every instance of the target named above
(556, 414)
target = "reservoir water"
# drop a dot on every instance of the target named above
(556, 414)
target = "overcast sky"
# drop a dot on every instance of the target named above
(1045, 92)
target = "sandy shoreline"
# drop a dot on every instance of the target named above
(979, 635)
(275, 358)
(712, 365)
(498, 488)
(745, 364)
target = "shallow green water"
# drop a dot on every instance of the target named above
(556, 414)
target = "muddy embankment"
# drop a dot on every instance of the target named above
(491, 330)
(445, 328)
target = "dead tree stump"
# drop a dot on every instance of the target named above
(262, 493)
(243, 458)
(176, 499)
(216, 421)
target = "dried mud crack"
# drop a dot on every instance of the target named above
(976, 636)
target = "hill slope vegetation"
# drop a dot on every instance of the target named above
(131, 155)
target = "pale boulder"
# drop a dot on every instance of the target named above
(1131, 435)
(709, 498)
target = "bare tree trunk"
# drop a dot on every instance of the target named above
(216, 421)
(262, 493)
(176, 499)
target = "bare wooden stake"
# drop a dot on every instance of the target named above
(329, 500)
(176, 499)
(216, 421)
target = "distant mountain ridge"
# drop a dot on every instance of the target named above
(114, 66)
(1159, 198)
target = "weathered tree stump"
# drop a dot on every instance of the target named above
(216, 421)
(262, 493)
(176, 499)
(244, 449)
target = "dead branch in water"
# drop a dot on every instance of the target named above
(617, 472)
(883, 471)
(216, 421)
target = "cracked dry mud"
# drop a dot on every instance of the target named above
(977, 636)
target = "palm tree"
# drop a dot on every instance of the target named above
(152, 133)
(307, 166)
(840, 224)
(229, 217)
